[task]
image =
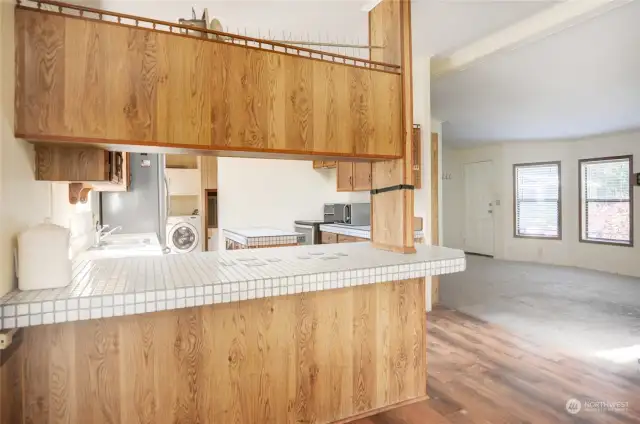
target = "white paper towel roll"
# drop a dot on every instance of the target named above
(43, 257)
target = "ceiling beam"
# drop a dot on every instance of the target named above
(542, 24)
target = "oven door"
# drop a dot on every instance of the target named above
(308, 231)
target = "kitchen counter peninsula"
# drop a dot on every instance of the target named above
(315, 333)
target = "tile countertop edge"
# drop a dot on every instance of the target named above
(257, 239)
(278, 281)
(355, 232)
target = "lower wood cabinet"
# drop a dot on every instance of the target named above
(353, 176)
(350, 239)
(328, 238)
(332, 238)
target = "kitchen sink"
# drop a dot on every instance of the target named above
(123, 245)
(132, 243)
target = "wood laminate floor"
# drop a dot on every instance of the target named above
(479, 373)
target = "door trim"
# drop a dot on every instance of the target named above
(435, 208)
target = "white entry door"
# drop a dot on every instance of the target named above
(478, 229)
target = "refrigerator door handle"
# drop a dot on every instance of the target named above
(164, 218)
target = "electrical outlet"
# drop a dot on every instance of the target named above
(6, 337)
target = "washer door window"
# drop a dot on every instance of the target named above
(183, 237)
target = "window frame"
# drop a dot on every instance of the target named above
(515, 199)
(580, 199)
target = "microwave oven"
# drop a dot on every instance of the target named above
(358, 214)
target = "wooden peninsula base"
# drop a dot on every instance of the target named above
(316, 357)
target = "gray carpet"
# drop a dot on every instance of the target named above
(584, 313)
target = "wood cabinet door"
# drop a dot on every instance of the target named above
(73, 164)
(362, 176)
(324, 164)
(345, 176)
(347, 239)
(328, 238)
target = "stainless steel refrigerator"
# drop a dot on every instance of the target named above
(142, 209)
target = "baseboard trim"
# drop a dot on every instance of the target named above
(478, 254)
(380, 410)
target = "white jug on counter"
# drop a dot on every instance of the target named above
(43, 257)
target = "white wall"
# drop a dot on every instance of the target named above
(338, 21)
(568, 251)
(23, 201)
(274, 193)
(422, 117)
(453, 193)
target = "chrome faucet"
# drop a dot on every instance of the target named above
(101, 234)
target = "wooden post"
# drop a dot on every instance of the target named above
(392, 211)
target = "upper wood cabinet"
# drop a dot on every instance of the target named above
(73, 164)
(344, 176)
(98, 168)
(86, 80)
(353, 176)
(324, 164)
(361, 176)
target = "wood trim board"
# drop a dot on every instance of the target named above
(435, 209)
(392, 212)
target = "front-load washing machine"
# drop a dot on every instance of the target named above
(184, 234)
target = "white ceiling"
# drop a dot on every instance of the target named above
(440, 26)
(579, 82)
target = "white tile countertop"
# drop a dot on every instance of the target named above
(254, 237)
(125, 286)
(362, 231)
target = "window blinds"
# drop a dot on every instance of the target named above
(606, 200)
(537, 200)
